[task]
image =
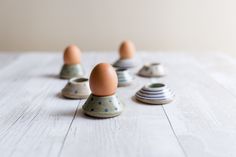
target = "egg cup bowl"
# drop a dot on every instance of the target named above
(76, 88)
(155, 93)
(103, 107)
(124, 77)
(125, 63)
(70, 71)
(152, 70)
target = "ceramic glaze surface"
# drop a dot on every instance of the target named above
(156, 93)
(103, 80)
(152, 70)
(76, 88)
(125, 63)
(124, 77)
(103, 107)
(70, 71)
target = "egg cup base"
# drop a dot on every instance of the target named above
(155, 93)
(100, 116)
(71, 96)
(125, 63)
(124, 84)
(103, 107)
(70, 71)
(149, 76)
(151, 102)
(76, 88)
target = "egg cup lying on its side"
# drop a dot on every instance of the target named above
(152, 70)
(76, 88)
(103, 106)
(70, 71)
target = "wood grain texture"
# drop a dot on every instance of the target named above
(36, 121)
(204, 111)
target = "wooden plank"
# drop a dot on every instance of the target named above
(141, 130)
(221, 67)
(203, 113)
(39, 122)
(30, 121)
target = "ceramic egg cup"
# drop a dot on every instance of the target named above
(156, 93)
(152, 70)
(103, 106)
(76, 88)
(70, 71)
(125, 63)
(124, 77)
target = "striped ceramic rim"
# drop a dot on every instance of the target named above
(156, 95)
(154, 86)
(156, 98)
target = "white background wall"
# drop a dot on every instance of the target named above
(183, 25)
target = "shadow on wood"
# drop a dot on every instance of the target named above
(52, 76)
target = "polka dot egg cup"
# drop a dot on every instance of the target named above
(152, 70)
(70, 71)
(76, 88)
(156, 93)
(103, 107)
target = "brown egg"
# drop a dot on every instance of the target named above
(72, 55)
(103, 80)
(127, 50)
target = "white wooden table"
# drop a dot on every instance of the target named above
(35, 121)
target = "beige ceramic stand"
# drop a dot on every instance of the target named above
(70, 71)
(103, 107)
(152, 70)
(103, 102)
(72, 67)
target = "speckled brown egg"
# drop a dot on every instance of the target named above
(72, 55)
(127, 50)
(103, 80)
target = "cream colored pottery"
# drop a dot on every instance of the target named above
(152, 70)
(76, 88)
(103, 106)
(70, 71)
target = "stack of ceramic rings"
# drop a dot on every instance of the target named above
(124, 77)
(156, 93)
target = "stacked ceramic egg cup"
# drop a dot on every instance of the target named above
(99, 89)
(125, 78)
